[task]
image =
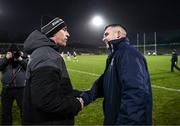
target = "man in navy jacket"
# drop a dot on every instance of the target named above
(125, 84)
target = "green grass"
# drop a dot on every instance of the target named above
(166, 104)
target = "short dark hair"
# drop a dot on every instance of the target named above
(115, 25)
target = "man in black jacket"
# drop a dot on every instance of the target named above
(49, 96)
(13, 68)
(174, 61)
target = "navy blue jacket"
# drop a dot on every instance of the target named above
(125, 86)
(13, 73)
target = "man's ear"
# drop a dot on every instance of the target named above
(118, 34)
(53, 38)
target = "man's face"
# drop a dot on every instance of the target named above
(109, 34)
(61, 37)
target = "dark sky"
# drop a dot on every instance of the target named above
(22, 16)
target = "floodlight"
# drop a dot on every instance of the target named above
(97, 21)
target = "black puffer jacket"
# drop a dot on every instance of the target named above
(48, 97)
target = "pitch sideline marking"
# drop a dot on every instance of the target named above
(93, 74)
(155, 86)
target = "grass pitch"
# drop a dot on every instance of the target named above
(165, 87)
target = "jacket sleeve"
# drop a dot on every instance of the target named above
(133, 77)
(47, 91)
(96, 91)
(3, 63)
(77, 93)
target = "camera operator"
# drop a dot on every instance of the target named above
(13, 67)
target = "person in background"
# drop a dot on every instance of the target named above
(75, 57)
(125, 84)
(68, 56)
(174, 61)
(49, 98)
(13, 68)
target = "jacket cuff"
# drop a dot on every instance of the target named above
(77, 106)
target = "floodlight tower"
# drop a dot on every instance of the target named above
(144, 43)
(137, 40)
(155, 43)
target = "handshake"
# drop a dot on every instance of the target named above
(81, 101)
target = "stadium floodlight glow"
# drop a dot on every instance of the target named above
(97, 21)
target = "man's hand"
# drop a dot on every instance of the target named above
(19, 58)
(9, 55)
(82, 102)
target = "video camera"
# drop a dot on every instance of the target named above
(16, 54)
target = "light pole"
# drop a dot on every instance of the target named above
(155, 43)
(137, 40)
(144, 43)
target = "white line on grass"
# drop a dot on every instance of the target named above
(165, 88)
(155, 86)
(83, 72)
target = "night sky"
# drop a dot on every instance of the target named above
(19, 17)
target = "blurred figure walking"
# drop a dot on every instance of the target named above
(174, 61)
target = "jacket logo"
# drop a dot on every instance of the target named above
(56, 22)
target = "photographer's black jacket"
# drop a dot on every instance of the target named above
(13, 73)
(48, 97)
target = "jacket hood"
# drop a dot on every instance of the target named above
(35, 40)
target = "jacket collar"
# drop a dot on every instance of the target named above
(114, 44)
(55, 47)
